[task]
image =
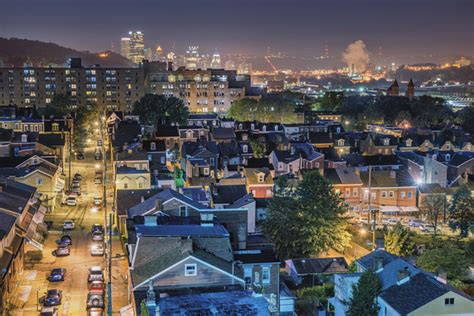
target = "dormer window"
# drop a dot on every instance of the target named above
(261, 177)
(55, 127)
(152, 146)
(447, 157)
(340, 142)
(264, 128)
(409, 142)
(252, 126)
(338, 130)
(448, 146)
(245, 148)
(386, 141)
(24, 138)
(241, 126)
(276, 128)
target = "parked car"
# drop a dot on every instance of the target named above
(68, 224)
(95, 274)
(57, 274)
(62, 250)
(95, 311)
(427, 228)
(414, 223)
(52, 298)
(78, 176)
(49, 311)
(97, 287)
(98, 155)
(98, 180)
(97, 249)
(76, 183)
(99, 142)
(95, 300)
(80, 155)
(97, 201)
(71, 201)
(64, 240)
(76, 190)
(389, 221)
(97, 228)
(97, 236)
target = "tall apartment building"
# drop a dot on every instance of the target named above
(133, 46)
(192, 58)
(211, 90)
(108, 88)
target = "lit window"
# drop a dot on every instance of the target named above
(190, 269)
(348, 192)
(39, 181)
(402, 194)
(265, 275)
(355, 192)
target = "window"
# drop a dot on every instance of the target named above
(39, 181)
(183, 211)
(190, 269)
(245, 148)
(348, 192)
(373, 195)
(248, 276)
(211, 161)
(449, 301)
(366, 194)
(256, 278)
(410, 195)
(261, 177)
(355, 192)
(386, 141)
(206, 171)
(269, 193)
(125, 185)
(384, 194)
(153, 146)
(391, 194)
(266, 275)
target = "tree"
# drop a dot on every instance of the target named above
(59, 106)
(307, 220)
(160, 110)
(143, 308)
(331, 101)
(432, 206)
(311, 297)
(243, 110)
(398, 241)
(364, 294)
(277, 109)
(461, 210)
(445, 256)
(258, 150)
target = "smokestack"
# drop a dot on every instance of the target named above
(356, 57)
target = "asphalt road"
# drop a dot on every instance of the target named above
(75, 287)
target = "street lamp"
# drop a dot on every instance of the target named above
(94, 209)
(97, 166)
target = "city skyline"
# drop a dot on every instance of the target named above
(444, 26)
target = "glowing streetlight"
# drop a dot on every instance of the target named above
(97, 166)
(96, 123)
(94, 209)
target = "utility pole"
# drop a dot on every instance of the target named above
(70, 153)
(371, 215)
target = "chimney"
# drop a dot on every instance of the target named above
(357, 171)
(393, 174)
(142, 199)
(442, 276)
(150, 220)
(158, 205)
(378, 263)
(403, 276)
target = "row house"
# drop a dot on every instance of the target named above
(347, 183)
(378, 144)
(300, 157)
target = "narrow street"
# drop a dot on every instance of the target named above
(34, 282)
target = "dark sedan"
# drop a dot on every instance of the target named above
(57, 275)
(52, 298)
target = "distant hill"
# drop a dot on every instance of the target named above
(15, 52)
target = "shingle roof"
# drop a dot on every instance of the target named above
(386, 178)
(319, 265)
(167, 131)
(51, 140)
(368, 261)
(223, 133)
(342, 176)
(227, 194)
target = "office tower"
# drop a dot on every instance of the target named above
(216, 61)
(244, 68)
(125, 47)
(137, 46)
(192, 58)
(229, 65)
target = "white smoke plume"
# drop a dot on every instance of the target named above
(356, 56)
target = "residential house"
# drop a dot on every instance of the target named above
(200, 161)
(132, 171)
(378, 144)
(259, 182)
(314, 271)
(193, 133)
(204, 119)
(170, 135)
(347, 183)
(425, 168)
(156, 154)
(223, 134)
(301, 156)
(405, 289)
(124, 134)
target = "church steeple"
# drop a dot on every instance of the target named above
(410, 93)
(394, 89)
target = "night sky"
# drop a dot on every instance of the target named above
(297, 27)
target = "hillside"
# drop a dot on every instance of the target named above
(15, 52)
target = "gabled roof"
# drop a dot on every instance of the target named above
(319, 265)
(51, 140)
(319, 138)
(368, 261)
(342, 176)
(159, 145)
(227, 194)
(195, 148)
(386, 178)
(223, 133)
(129, 198)
(125, 133)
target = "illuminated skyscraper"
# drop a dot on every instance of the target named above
(192, 57)
(216, 61)
(125, 47)
(137, 46)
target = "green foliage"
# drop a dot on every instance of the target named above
(309, 298)
(432, 206)
(258, 149)
(465, 117)
(308, 220)
(398, 241)
(83, 125)
(445, 256)
(59, 106)
(364, 294)
(265, 111)
(331, 101)
(461, 210)
(143, 308)
(423, 111)
(352, 267)
(160, 110)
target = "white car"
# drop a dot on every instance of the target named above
(71, 201)
(97, 201)
(97, 249)
(414, 223)
(390, 221)
(95, 274)
(68, 224)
